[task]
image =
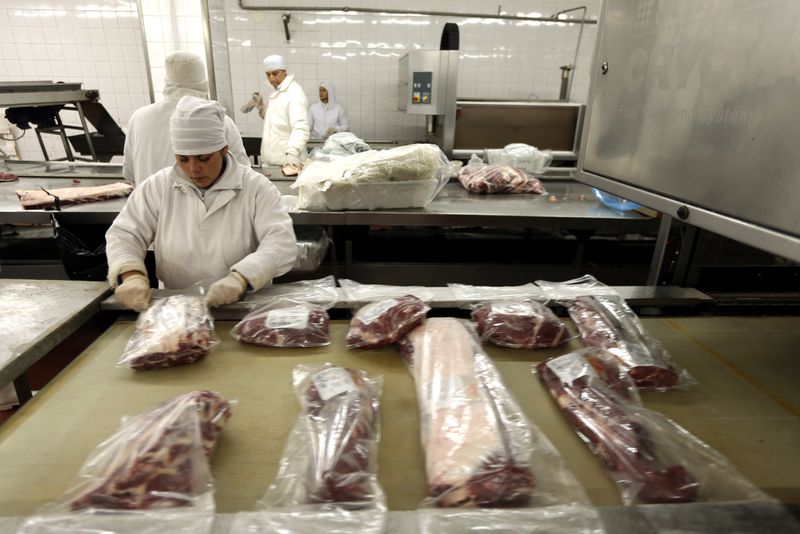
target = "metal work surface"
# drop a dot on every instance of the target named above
(42, 93)
(567, 204)
(443, 297)
(746, 406)
(693, 112)
(36, 315)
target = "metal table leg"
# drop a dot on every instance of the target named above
(86, 130)
(658, 254)
(23, 389)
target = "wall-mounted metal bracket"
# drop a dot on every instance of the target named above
(286, 17)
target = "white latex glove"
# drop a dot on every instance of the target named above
(134, 292)
(255, 102)
(227, 290)
(330, 131)
(294, 161)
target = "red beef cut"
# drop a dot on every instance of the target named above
(289, 326)
(519, 325)
(385, 321)
(158, 459)
(608, 322)
(615, 432)
(345, 433)
(176, 330)
(38, 199)
(498, 179)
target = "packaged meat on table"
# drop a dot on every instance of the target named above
(285, 323)
(327, 480)
(652, 459)
(607, 321)
(155, 465)
(175, 330)
(384, 321)
(519, 324)
(40, 199)
(476, 441)
(490, 179)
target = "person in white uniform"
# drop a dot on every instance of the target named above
(327, 116)
(210, 219)
(147, 145)
(283, 141)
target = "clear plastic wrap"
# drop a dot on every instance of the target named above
(285, 323)
(408, 176)
(312, 245)
(175, 330)
(511, 316)
(295, 315)
(339, 145)
(605, 320)
(384, 321)
(327, 479)
(480, 450)
(477, 177)
(360, 294)
(651, 458)
(152, 474)
(525, 157)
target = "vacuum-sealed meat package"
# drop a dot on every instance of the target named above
(652, 459)
(477, 443)
(519, 324)
(285, 323)
(327, 480)
(490, 179)
(385, 321)
(152, 473)
(175, 330)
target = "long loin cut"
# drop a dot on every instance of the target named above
(476, 448)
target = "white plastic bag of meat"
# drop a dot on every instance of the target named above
(477, 177)
(512, 316)
(480, 450)
(651, 458)
(290, 315)
(524, 157)
(385, 321)
(285, 323)
(605, 320)
(152, 476)
(327, 479)
(175, 330)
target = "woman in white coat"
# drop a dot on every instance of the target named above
(283, 141)
(210, 219)
(327, 116)
(147, 145)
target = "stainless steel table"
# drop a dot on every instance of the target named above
(35, 316)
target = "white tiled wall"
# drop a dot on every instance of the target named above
(499, 59)
(98, 42)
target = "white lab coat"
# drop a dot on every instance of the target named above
(201, 236)
(285, 124)
(323, 116)
(148, 147)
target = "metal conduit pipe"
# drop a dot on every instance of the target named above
(346, 9)
(571, 71)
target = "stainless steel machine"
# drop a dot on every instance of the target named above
(693, 111)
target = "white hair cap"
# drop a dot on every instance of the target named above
(274, 62)
(185, 70)
(197, 127)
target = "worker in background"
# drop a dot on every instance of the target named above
(285, 133)
(327, 116)
(147, 145)
(211, 219)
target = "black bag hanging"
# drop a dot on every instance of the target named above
(83, 250)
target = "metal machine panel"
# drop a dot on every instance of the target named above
(694, 110)
(423, 82)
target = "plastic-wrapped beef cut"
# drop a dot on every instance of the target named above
(385, 321)
(616, 429)
(519, 324)
(477, 445)
(341, 412)
(158, 459)
(606, 321)
(38, 199)
(285, 325)
(498, 179)
(176, 330)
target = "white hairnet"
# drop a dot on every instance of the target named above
(274, 62)
(197, 126)
(185, 70)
